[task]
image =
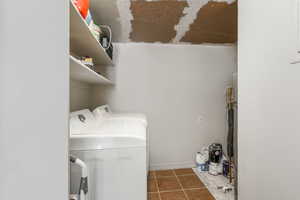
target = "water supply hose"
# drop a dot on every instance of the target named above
(83, 188)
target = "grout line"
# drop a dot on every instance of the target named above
(156, 182)
(171, 190)
(178, 180)
(177, 175)
(165, 176)
(200, 188)
(187, 175)
(186, 196)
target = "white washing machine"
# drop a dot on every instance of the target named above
(104, 112)
(115, 151)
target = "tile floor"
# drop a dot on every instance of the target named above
(177, 184)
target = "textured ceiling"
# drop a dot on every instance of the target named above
(169, 21)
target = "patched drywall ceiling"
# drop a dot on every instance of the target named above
(169, 21)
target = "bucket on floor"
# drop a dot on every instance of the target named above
(202, 161)
(203, 167)
(225, 168)
(213, 169)
(215, 153)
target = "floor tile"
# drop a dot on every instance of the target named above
(168, 183)
(151, 174)
(186, 171)
(152, 186)
(164, 173)
(199, 194)
(153, 196)
(190, 181)
(178, 195)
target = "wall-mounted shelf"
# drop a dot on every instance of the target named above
(83, 42)
(80, 72)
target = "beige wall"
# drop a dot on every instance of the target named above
(34, 100)
(181, 89)
(269, 101)
(80, 95)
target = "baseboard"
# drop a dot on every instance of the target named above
(172, 165)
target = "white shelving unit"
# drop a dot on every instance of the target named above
(83, 42)
(80, 72)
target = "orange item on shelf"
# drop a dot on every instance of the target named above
(82, 6)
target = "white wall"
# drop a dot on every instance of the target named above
(80, 95)
(269, 102)
(34, 105)
(181, 90)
